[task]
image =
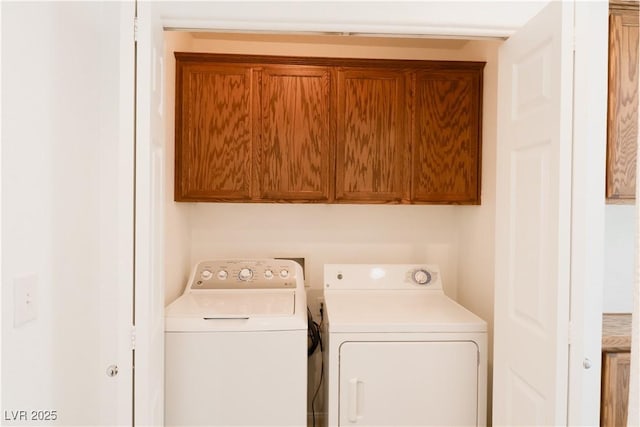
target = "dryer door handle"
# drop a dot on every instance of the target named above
(355, 400)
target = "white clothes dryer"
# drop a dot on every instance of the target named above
(236, 346)
(400, 352)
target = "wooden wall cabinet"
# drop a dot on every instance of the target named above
(615, 388)
(622, 120)
(330, 130)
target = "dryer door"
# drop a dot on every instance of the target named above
(408, 383)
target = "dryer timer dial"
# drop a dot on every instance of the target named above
(421, 277)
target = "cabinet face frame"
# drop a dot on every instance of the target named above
(402, 188)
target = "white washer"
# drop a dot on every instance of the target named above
(400, 352)
(236, 346)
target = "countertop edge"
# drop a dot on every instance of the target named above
(616, 332)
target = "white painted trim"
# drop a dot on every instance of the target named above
(125, 213)
(1, 210)
(149, 222)
(588, 211)
(452, 18)
(444, 30)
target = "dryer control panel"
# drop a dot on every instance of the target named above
(383, 276)
(246, 274)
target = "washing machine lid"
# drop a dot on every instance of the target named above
(229, 310)
(398, 312)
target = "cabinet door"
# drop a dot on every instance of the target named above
(213, 132)
(622, 127)
(446, 137)
(372, 149)
(615, 389)
(296, 140)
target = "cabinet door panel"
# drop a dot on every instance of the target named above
(213, 132)
(296, 143)
(446, 137)
(371, 145)
(622, 126)
(615, 388)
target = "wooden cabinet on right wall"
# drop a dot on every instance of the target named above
(622, 120)
(615, 388)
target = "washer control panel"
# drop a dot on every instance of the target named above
(245, 274)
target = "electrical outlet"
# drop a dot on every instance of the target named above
(24, 299)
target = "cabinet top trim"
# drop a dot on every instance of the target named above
(325, 61)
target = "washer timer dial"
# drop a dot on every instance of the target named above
(421, 277)
(245, 274)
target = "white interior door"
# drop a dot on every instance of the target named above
(533, 216)
(149, 230)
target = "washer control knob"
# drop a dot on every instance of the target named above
(206, 274)
(421, 277)
(268, 274)
(245, 274)
(284, 273)
(222, 275)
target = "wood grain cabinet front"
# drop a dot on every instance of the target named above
(296, 139)
(327, 130)
(372, 146)
(214, 132)
(446, 164)
(622, 121)
(615, 388)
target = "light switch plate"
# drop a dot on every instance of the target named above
(25, 299)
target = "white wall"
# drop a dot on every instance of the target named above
(177, 235)
(620, 258)
(459, 239)
(62, 212)
(477, 223)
